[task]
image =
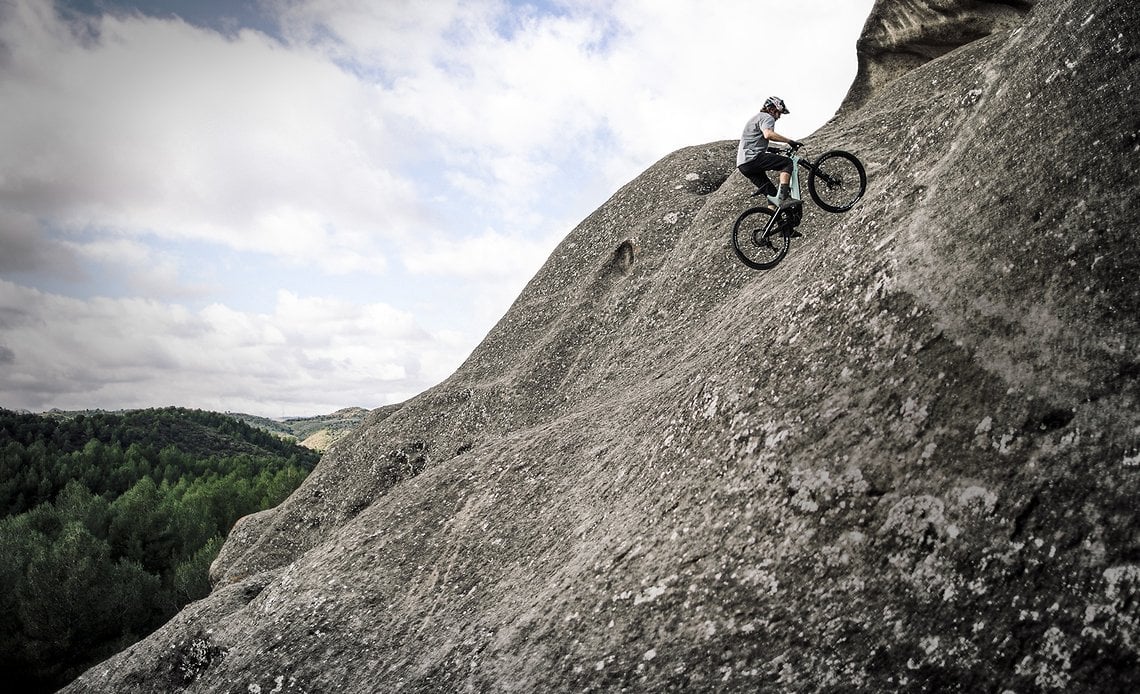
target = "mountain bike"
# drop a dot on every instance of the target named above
(836, 181)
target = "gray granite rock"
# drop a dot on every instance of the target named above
(906, 459)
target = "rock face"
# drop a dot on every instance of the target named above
(907, 458)
(901, 35)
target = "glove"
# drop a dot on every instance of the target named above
(795, 144)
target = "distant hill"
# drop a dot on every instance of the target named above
(194, 432)
(317, 432)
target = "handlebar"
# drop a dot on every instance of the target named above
(784, 148)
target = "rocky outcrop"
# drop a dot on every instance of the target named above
(906, 459)
(902, 35)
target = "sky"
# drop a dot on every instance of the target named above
(287, 207)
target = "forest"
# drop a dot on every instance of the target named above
(110, 522)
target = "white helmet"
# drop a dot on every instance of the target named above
(777, 102)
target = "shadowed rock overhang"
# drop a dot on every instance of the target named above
(901, 35)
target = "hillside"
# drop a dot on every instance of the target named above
(191, 431)
(318, 432)
(906, 459)
(109, 522)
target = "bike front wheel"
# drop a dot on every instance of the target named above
(837, 180)
(755, 244)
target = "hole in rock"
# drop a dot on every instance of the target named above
(623, 255)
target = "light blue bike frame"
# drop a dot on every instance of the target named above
(794, 184)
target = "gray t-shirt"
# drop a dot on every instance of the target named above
(753, 142)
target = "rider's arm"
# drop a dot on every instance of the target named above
(773, 136)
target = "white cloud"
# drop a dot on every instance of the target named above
(488, 255)
(513, 104)
(311, 354)
(448, 143)
(159, 127)
(142, 269)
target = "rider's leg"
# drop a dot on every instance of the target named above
(769, 161)
(759, 178)
(784, 196)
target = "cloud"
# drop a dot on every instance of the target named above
(514, 104)
(491, 254)
(311, 354)
(335, 211)
(27, 250)
(157, 127)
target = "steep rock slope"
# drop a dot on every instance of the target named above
(905, 459)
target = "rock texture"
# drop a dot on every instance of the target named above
(906, 459)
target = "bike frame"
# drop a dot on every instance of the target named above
(824, 182)
(793, 191)
(794, 184)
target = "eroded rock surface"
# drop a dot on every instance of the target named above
(907, 459)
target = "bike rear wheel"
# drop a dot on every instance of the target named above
(837, 180)
(757, 248)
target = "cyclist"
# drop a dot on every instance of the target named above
(753, 158)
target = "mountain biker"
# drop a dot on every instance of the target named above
(753, 159)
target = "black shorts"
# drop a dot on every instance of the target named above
(766, 161)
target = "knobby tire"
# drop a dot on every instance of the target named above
(756, 249)
(837, 180)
